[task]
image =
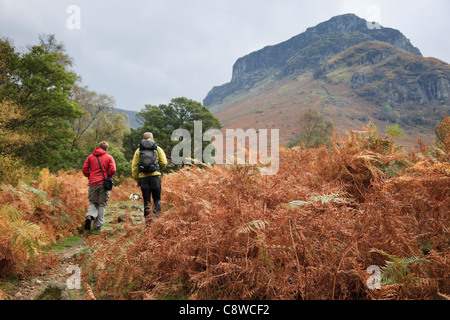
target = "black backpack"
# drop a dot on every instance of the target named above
(148, 161)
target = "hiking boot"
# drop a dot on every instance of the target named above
(156, 212)
(98, 229)
(87, 224)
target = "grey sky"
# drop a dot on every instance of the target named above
(148, 52)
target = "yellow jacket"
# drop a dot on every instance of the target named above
(162, 162)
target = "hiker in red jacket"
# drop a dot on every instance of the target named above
(97, 195)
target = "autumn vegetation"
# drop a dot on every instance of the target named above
(310, 231)
(34, 215)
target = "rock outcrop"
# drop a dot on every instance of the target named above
(349, 71)
(383, 73)
(305, 51)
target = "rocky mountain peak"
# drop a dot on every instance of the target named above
(343, 23)
(304, 52)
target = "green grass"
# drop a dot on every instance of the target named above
(8, 283)
(63, 244)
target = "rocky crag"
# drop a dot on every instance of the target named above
(350, 70)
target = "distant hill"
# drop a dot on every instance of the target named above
(412, 90)
(131, 116)
(349, 71)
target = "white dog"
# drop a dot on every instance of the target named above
(135, 197)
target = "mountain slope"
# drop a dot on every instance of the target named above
(351, 73)
(416, 89)
(131, 117)
(303, 52)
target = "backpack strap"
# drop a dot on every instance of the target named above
(101, 168)
(157, 158)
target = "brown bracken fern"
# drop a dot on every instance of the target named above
(308, 232)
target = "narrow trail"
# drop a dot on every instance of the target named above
(32, 288)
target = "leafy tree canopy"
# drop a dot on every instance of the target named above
(313, 129)
(163, 120)
(39, 82)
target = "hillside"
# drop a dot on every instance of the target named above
(413, 90)
(131, 117)
(351, 73)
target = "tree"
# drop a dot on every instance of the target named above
(163, 120)
(11, 141)
(99, 122)
(47, 119)
(94, 106)
(110, 126)
(8, 58)
(394, 131)
(389, 114)
(313, 129)
(40, 83)
(130, 142)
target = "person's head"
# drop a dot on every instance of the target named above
(148, 135)
(104, 145)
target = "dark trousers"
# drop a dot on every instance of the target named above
(151, 187)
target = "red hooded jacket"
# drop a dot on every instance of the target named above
(92, 170)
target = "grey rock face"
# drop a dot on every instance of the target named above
(305, 51)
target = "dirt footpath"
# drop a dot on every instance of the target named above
(52, 284)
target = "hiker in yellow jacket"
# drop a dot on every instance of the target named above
(147, 171)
